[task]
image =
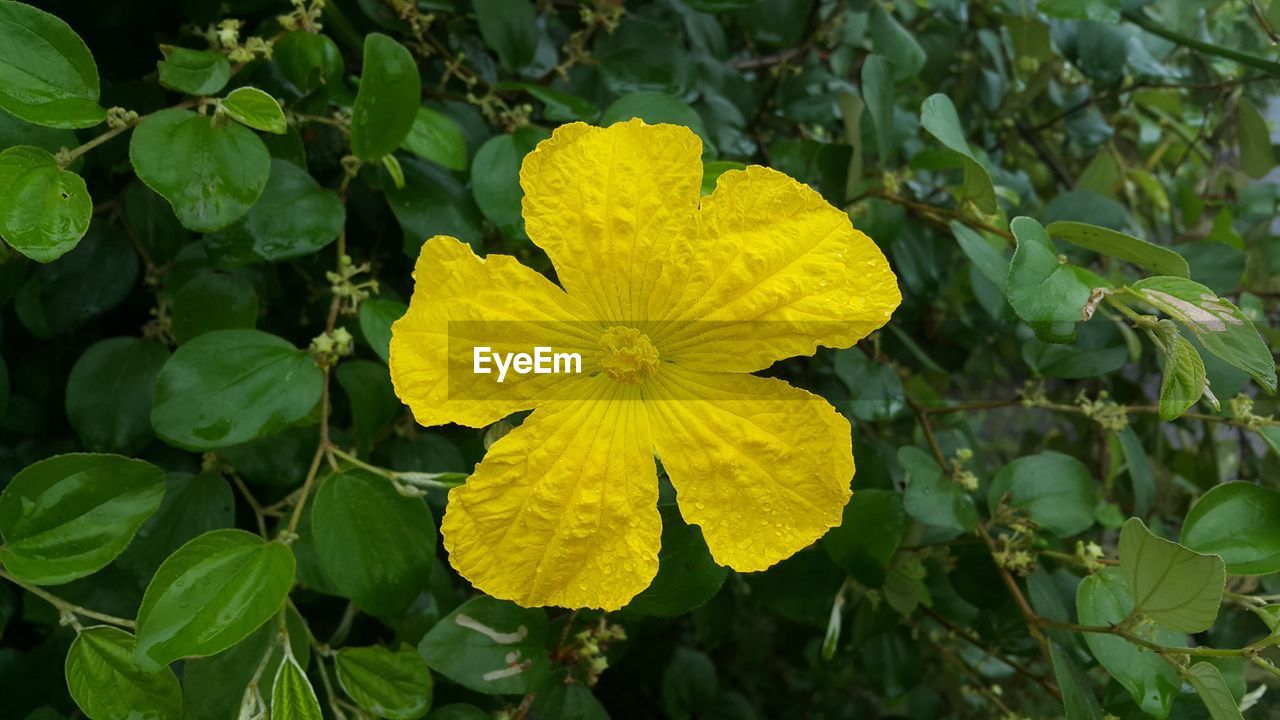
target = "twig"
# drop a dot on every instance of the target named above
(67, 607)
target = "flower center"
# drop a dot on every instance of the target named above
(627, 355)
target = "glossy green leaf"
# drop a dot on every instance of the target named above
(490, 646)
(938, 116)
(387, 103)
(1219, 325)
(687, 575)
(1103, 600)
(1141, 476)
(992, 263)
(391, 684)
(689, 684)
(1239, 522)
(292, 697)
(214, 687)
(655, 108)
(495, 177)
(83, 284)
(711, 172)
(1078, 699)
(211, 172)
(44, 210)
(933, 498)
(509, 27)
(1157, 259)
(376, 317)
(210, 594)
(432, 202)
(436, 137)
(256, 109)
(194, 72)
(309, 60)
(1213, 691)
(47, 74)
(213, 301)
(374, 405)
(1056, 490)
(107, 685)
(110, 391)
(1253, 137)
(1182, 378)
(68, 516)
(872, 527)
(1044, 291)
(890, 39)
(192, 506)
(878, 93)
(375, 544)
(293, 217)
(230, 386)
(875, 389)
(1178, 588)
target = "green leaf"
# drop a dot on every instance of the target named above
(68, 516)
(1178, 588)
(1213, 691)
(689, 685)
(211, 594)
(214, 687)
(1078, 699)
(309, 60)
(872, 527)
(1141, 477)
(376, 317)
(495, 177)
(1220, 326)
(878, 93)
(1103, 600)
(213, 301)
(256, 109)
(989, 261)
(566, 700)
(387, 102)
(44, 210)
(1115, 244)
(1239, 522)
(292, 697)
(711, 172)
(91, 279)
(375, 544)
(107, 685)
(510, 28)
(432, 202)
(194, 72)
(210, 172)
(655, 108)
(1257, 157)
(938, 116)
(230, 386)
(890, 39)
(293, 217)
(374, 405)
(875, 389)
(436, 137)
(1046, 293)
(490, 646)
(47, 74)
(1101, 10)
(192, 506)
(931, 497)
(687, 575)
(1182, 379)
(558, 105)
(109, 394)
(1056, 490)
(392, 684)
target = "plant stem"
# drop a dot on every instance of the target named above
(1138, 640)
(1146, 23)
(434, 481)
(67, 607)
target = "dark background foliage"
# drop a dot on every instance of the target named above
(1001, 441)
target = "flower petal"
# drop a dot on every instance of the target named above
(762, 466)
(563, 509)
(463, 301)
(614, 209)
(779, 272)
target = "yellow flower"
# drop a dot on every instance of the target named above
(670, 299)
